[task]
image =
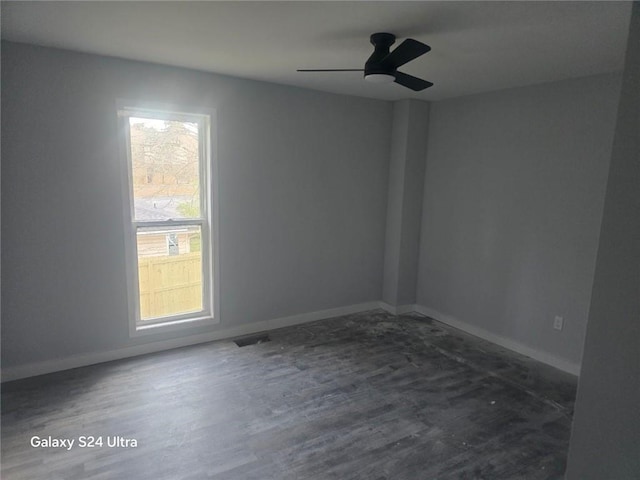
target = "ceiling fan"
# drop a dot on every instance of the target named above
(382, 65)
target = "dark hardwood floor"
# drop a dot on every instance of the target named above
(367, 396)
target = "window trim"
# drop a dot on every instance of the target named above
(210, 314)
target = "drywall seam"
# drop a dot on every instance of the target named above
(82, 360)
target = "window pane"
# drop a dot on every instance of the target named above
(169, 271)
(166, 174)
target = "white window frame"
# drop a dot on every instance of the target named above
(208, 221)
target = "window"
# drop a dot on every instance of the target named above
(168, 223)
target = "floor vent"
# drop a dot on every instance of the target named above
(252, 340)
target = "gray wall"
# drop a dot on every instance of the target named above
(513, 199)
(303, 181)
(404, 206)
(605, 442)
(513, 196)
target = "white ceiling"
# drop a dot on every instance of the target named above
(476, 46)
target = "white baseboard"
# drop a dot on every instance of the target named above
(75, 361)
(539, 355)
(399, 310)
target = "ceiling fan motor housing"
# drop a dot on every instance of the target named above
(375, 69)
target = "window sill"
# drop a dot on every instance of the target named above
(173, 325)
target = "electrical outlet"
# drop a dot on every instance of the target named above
(558, 322)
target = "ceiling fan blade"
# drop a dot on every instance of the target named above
(414, 83)
(334, 70)
(405, 52)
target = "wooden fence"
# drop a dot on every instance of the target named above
(170, 284)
